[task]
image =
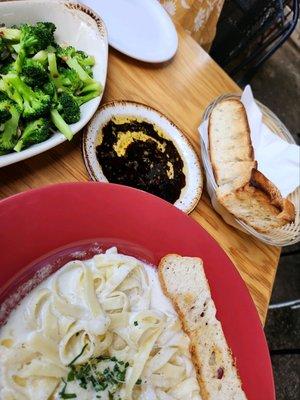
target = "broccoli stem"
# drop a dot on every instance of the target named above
(17, 47)
(53, 65)
(18, 146)
(25, 91)
(61, 124)
(20, 60)
(84, 99)
(74, 64)
(10, 34)
(41, 56)
(93, 87)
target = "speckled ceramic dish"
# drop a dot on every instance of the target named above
(191, 192)
(78, 26)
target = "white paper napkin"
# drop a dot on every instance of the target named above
(278, 160)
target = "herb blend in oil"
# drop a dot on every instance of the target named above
(135, 153)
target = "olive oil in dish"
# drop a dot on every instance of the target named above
(135, 152)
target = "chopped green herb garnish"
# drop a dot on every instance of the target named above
(79, 355)
(70, 376)
(64, 395)
(135, 323)
(102, 374)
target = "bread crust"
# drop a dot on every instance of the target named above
(242, 189)
(196, 329)
(240, 116)
(267, 209)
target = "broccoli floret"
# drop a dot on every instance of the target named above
(61, 124)
(89, 92)
(35, 103)
(5, 113)
(37, 37)
(84, 58)
(49, 89)
(69, 56)
(35, 132)
(10, 91)
(75, 80)
(68, 108)
(68, 79)
(86, 61)
(10, 34)
(9, 66)
(33, 39)
(3, 96)
(9, 135)
(34, 73)
(4, 50)
(64, 78)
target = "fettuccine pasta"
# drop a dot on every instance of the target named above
(96, 329)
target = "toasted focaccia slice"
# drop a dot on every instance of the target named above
(257, 202)
(184, 282)
(229, 135)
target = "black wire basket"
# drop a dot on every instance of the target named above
(250, 31)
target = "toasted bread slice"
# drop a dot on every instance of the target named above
(232, 170)
(257, 202)
(183, 280)
(229, 134)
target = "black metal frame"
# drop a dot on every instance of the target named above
(249, 32)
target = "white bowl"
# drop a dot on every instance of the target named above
(77, 25)
(191, 192)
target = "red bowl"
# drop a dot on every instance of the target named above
(43, 229)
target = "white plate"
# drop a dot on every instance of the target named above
(191, 193)
(78, 26)
(141, 29)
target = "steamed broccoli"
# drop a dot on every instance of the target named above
(75, 79)
(69, 80)
(50, 89)
(4, 50)
(41, 57)
(63, 78)
(37, 37)
(9, 66)
(35, 132)
(88, 93)
(32, 40)
(87, 62)
(41, 85)
(10, 91)
(10, 34)
(34, 103)
(68, 108)
(34, 73)
(9, 134)
(70, 57)
(5, 113)
(61, 124)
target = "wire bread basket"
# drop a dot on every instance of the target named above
(288, 234)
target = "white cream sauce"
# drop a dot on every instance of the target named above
(18, 328)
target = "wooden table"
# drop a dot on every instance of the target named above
(181, 89)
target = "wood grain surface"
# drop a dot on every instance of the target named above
(181, 89)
